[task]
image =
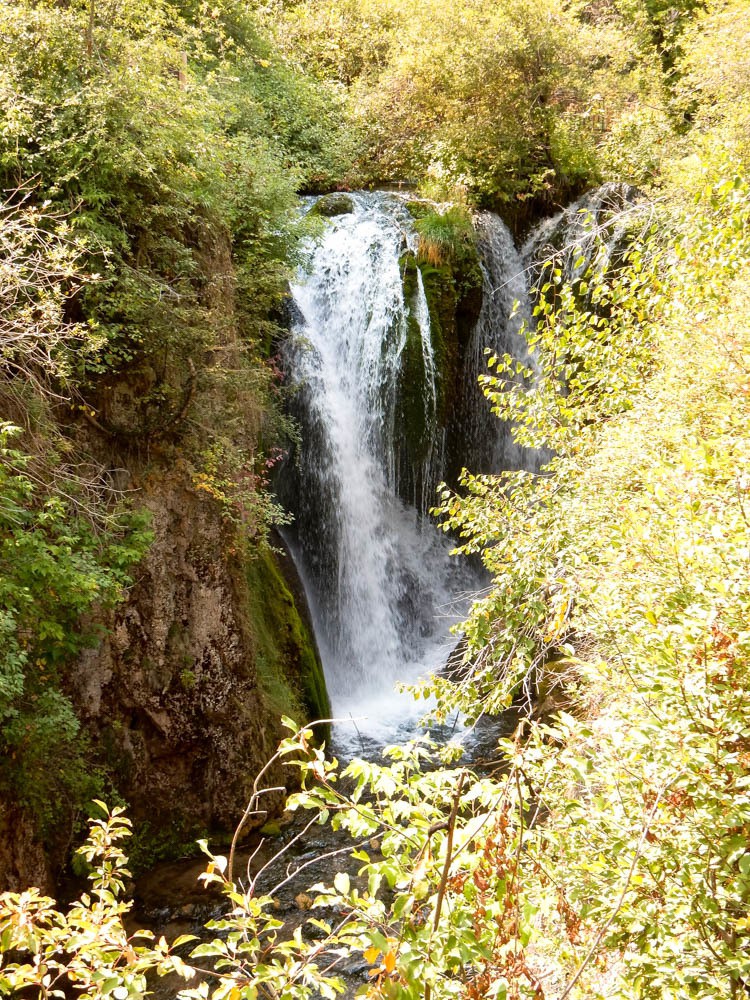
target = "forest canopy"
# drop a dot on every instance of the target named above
(152, 155)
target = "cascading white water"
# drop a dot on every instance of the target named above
(590, 230)
(498, 329)
(381, 586)
(383, 590)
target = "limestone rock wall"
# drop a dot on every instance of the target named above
(23, 861)
(172, 692)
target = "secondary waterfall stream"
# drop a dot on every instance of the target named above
(382, 587)
(506, 309)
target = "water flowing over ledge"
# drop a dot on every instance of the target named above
(382, 587)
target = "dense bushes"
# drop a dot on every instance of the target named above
(610, 855)
(609, 852)
(503, 103)
(150, 155)
(147, 169)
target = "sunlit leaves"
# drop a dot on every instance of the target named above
(467, 96)
(629, 555)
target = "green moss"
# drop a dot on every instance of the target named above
(440, 292)
(417, 423)
(271, 829)
(453, 284)
(453, 288)
(289, 668)
(333, 204)
(150, 845)
(187, 679)
(418, 209)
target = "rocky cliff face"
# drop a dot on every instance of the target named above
(178, 697)
(181, 699)
(23, 860)
(172, 691)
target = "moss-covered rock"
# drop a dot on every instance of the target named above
(418, 208)
(417, 413)
(287, 662)
(453, 290)
(329, 205)
(442, 302)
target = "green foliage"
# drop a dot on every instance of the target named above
(228, 475)
(442, 235)
(88, 947)
(592, 340)
(637, 145)
(152, 844)
(699, 103)
(439, 910)
(661, 25)
(714, 82)
(41, 261)
(624, 563)
(664, 602)
(175, 201)
(444, 912)
(151, 170)
(518, 105)
(475, 97)
(55, 567)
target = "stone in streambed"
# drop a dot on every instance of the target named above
(330, 205)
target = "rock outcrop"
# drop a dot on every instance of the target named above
(180, 701)
(172, 692)
(23, 859)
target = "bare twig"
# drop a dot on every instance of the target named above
(451, 825)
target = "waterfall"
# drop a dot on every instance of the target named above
(591, 229)
(383, 590)
(488, 444)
